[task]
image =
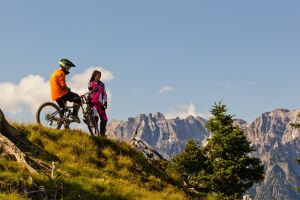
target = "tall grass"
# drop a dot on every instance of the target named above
(88, 168)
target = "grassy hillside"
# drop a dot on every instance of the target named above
(87, 168)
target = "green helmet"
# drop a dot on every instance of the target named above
(65, 63)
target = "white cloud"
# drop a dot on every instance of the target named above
(165, 89)
(183, 112)
(33, 90)
(79, 82)
(223, 85)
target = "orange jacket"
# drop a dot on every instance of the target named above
(58, 84)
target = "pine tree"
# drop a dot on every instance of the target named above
(225, 168)
(190, 161)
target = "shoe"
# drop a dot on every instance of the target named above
(75, 118)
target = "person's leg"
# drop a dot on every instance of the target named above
(94, 109)
(61, 102)
(75, 98)
(103, 122)
(95, 113)
(103, 127)
(77, 102)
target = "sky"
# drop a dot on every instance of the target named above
(173, 57)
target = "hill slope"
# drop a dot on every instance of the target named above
(85, 168)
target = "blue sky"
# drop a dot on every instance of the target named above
(175, 57)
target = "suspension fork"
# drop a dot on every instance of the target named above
(83, 111)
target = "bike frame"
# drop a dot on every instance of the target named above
(148, 151)
(67, 111)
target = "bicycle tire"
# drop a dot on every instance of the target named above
(92, 124)
(52, 118)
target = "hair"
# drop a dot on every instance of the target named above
(95, 72)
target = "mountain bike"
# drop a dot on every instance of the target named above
(49, 114)
(149, 153)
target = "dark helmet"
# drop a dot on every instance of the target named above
(65, 64)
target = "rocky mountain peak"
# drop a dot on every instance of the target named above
(273, 127)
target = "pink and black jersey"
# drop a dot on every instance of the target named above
(99, 93)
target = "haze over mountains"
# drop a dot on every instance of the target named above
(277, 144)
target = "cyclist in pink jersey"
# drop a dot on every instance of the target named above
(98, 99)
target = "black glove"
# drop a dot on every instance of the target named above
(92, 90)
(105, 105)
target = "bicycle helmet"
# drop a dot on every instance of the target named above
(65, 64)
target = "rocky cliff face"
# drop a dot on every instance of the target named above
(277, 144)
(167, 136)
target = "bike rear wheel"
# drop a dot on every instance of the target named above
(49, 115)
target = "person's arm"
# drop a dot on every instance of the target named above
(62, 82)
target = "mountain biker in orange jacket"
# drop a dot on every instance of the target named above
(59, 90)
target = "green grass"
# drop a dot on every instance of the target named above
(89, 168)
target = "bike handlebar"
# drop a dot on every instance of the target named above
(89, 92)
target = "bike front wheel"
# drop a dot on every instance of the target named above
(92, 125)
(49, 115)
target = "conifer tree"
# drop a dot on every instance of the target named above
(190, 161)
(225, 169)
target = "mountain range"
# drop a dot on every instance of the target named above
(277, 144)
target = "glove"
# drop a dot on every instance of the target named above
(105, 105)
(92, 90)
